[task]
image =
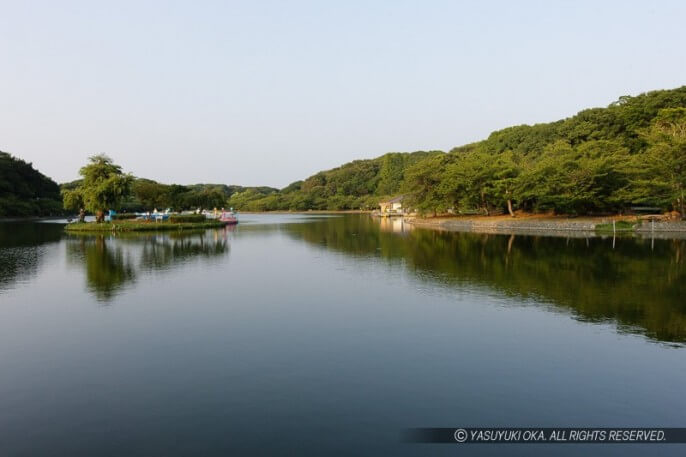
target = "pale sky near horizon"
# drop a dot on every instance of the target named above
(269, 92)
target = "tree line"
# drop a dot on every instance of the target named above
(146, 194)
(103, 186)
(631, 153)
(602, 160)
(24, 191)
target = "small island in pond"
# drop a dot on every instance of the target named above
(142, 226)
(104, 187)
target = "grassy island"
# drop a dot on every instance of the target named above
(140, 226)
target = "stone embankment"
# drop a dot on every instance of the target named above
(662, 226)
(547, 225)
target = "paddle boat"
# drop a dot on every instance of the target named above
(229, 217)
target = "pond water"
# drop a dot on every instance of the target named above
(329, 335)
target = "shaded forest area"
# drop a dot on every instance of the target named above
(24, 191)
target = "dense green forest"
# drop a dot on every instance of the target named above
(355, 185)
(24, 191)
(632, 153)
(602, 160)
(147, 194)
(359, 184)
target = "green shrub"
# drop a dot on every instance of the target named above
(125, 216)
(620, 226)
(179, 218)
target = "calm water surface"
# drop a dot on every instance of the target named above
(328, 335)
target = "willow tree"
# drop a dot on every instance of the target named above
(103, 187)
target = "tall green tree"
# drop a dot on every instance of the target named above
(575, 180)
(391, 173)
(665, 158)
(151, 194)
(423, 185)
(104, 186)
(505, 168)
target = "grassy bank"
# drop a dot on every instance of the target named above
(138, 226)
(619, 226)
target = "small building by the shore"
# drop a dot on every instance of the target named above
(393, 206)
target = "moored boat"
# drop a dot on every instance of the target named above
(229, 217)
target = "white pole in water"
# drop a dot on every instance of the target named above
(652, 234)
(614, 230)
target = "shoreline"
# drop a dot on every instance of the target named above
(550, 225)
(92, 227)
(312, 211)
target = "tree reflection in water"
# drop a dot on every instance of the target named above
(22, 249)
(164, 251)
(113, 261)
(108, 268)
(638, 284)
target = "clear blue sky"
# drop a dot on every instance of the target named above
(268, 92)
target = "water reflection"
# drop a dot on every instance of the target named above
(639, 284)
(113, 262)
(22, 249)
(165, 251)
(108, 267)
(394, 225)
